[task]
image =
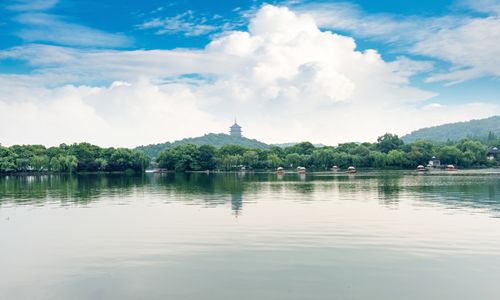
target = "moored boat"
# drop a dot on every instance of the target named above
(156, 171)
(351, 170)
(335, 169)
(301, 170)
(421, 168)
(280, 170)
(451, 168)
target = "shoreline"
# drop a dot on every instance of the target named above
(286, 172)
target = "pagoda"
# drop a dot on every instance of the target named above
(235, 130)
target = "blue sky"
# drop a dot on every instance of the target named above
(437, 61)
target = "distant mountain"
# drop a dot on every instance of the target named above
(455, 131)
(214, 139)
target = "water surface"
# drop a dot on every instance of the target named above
(375, 235)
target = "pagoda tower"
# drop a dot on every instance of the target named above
(235, 130)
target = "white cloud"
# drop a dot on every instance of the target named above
(486, 6)
(119, 115)
(434, 106)
(473, 49)
(188, 24)
(469, 44)
(284, 79)
(31, 5)
(184, 23)
(43, 27)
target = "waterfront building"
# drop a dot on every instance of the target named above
(492, 153)
(434, 162)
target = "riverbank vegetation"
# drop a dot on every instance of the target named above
(388, 152)
(82, 157)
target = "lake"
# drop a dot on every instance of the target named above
(373, 235)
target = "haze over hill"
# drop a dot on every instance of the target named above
(213, 139)
(217, 140)
(442, 133)
(454, 131)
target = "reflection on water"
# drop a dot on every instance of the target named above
(466, 189)
(373, 235)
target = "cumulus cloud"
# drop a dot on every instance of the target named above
(121, 114)
(284, 79)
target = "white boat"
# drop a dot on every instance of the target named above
(451, 168)
(421, 168)
(157, 171)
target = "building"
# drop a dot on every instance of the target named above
(434, 162)
(492, 153)
(235, 130)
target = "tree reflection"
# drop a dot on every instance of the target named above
(234, 189)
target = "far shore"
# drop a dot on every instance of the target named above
(254, 171)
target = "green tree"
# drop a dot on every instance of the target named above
(378, 159)
(450, 155)
(491, 136)
(207, 157)
(7, 160)
(389, 142)
(293, 159)
(180, 158)
(55, 165)
(230, 162)
(101, 163)
(274, 161)
(250, 158)
(231, 150)
(342, 160)
(397, 158)
(304, 148)
(323, 158)
(347, 147)
(40, 163)
(473, 151)
(70, 163)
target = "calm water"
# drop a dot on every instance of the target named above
(395, 235)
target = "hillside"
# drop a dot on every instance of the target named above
(455, 131)
(214, 139)
(285, 145)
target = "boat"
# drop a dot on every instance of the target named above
(156, 171)
(280, 170)
(335, 169)
(451, 168)
(301, 170)
(351, 170)
(421, 168)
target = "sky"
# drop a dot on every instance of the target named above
(128, 73)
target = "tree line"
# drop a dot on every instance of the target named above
(82, 157)
(388, 152)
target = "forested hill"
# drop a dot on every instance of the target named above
(483, 129)
(213, 139)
